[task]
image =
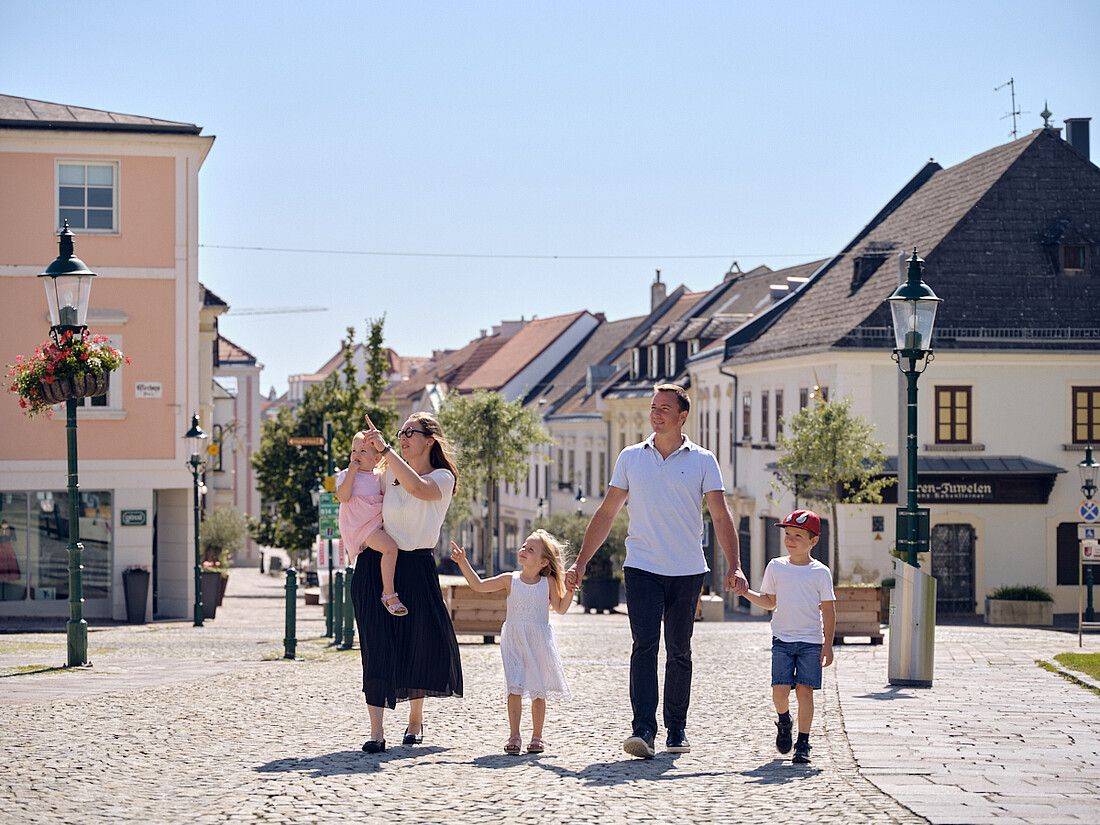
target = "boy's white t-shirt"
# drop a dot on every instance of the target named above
(799, 590)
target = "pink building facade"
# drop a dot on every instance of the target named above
(128, 187)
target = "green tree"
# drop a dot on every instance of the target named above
(221, 536)
(494, 439)
(829, 457)
(286, 475)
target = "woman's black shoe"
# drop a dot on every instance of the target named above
(413, 738)
(374, 745)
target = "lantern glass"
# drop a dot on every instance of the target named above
(913, 323)
(67, 296)
(1089, 468)
(195, 437)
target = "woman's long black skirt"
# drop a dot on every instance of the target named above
(411, 656)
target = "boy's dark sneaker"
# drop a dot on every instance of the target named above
(640, 744)
(801, 752)
(677, 742)
(783, 737)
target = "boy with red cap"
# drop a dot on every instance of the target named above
(798, 590)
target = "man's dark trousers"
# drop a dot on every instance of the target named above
(649, 599)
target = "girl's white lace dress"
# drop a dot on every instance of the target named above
(532, 664)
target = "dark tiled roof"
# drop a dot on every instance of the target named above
(24, 113)
(980, 226)
(985, 465)
(564, 392)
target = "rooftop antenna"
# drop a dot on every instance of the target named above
(1012, 88)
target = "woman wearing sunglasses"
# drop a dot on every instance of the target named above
(415, 656)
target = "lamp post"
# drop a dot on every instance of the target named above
(580, 499)
(1088, 467)
(196, 464)
(912, 624)
(68, 285)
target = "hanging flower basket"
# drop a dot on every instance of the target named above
(88, 385)
(77, 365)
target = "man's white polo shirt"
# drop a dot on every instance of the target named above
(665, 504)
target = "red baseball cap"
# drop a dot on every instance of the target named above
(806, 519)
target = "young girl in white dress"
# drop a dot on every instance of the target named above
(532, 664)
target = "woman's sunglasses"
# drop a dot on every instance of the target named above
(408, 432)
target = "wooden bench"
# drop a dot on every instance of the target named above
(857, 613)
(475, 614)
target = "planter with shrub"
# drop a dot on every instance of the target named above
(1027, 605)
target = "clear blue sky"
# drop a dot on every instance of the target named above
(535, 158)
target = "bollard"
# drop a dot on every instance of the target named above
(349, 612)
(290, 642)
(338, 608)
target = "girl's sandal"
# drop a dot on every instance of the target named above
(393, 604)
(512, 745)
(538, 745)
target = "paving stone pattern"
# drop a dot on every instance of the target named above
(176, 724)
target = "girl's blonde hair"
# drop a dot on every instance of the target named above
(553, 550)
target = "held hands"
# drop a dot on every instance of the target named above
(736, 581)
(573, 577)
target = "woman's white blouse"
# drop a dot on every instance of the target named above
(412, 522)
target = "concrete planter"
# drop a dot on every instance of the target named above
(1006, 612)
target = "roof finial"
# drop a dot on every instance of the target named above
(1045, 115)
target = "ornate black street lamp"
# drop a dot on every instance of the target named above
(196, 464)
(914, 306)
(913, 619)
(1088, 467)
(68, 285)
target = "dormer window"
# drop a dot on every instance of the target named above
(670, 358)
(654, 361)
(1074, 258)
(693, 346)
(636, 366)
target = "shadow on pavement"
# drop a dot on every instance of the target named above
(779, 772)
(342, 763)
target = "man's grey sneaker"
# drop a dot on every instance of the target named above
(783, 737)
(801, 752)
(677, 742)
(640, 744)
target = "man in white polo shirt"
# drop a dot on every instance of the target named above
(667, 478)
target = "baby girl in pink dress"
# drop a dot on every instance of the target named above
(359, 491)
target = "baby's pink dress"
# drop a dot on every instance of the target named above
(360, 515)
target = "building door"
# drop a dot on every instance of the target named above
(953, 567)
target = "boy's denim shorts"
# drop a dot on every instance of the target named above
(796, 663)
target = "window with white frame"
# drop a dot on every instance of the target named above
(654, 357)
(746, 416)
(636, 367)
(111, 401)
(87, 195)
(670, 357)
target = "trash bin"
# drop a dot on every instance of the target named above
(912, 626)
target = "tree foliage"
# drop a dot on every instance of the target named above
(829, 457)
(286, 475)
(494, 439)
(221, 536)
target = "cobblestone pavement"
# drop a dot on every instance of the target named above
(177, 724)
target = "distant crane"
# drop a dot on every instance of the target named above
(274, 310)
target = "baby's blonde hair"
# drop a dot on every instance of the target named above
(553, 550)
(380, 464)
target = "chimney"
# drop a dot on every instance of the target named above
(1077, 134)
(657, 293)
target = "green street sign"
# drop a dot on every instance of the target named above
(328, 515)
